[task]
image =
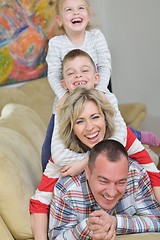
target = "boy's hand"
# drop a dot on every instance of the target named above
(102, 94)
(75, 168)
(62, 100)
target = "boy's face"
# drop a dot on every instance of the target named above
(79, 71)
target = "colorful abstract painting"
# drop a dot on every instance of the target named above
(25, 28)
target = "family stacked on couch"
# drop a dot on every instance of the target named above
(83, 205)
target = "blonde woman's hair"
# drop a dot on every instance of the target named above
(58, 4)
(70, 111)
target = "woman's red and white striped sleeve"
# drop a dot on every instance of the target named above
(40, 201)
(138, 152)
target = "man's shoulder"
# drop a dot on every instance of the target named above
(67, 183)
(133, 164)
(136, 169)
(138, 181)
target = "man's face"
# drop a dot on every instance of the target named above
(108, 181)
(79, 72)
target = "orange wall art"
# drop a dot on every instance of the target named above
(25, 28)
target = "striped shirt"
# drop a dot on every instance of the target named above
(136, 212)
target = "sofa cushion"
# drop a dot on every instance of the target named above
(26, 121)
(133, 113)
(36, 94)
(41, 96)
(5, 233)
(20, 163)
(13, 95)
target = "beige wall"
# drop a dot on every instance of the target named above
(132, 29)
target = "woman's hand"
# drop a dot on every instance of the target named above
(62, 100)
(74, 168)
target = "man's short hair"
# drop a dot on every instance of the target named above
(112, 149)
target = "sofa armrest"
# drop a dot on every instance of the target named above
(133, 113)
(21, 136)
(4, 231)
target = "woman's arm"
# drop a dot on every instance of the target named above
(40, 201)
(74, 168)
(137, 152)
(39, 224)
(120, 126)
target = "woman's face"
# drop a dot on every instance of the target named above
(90, 127)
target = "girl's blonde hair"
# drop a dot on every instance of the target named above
(70, 111)
(58, 4)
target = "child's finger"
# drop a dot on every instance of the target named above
(64, 174)
(64, 169)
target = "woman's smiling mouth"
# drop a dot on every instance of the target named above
(92, 136)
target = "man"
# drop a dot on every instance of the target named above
(112, 196)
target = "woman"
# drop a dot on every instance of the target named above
(85, 119)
